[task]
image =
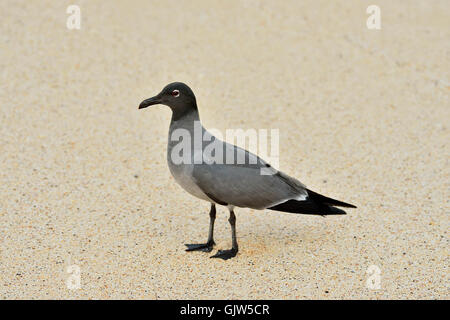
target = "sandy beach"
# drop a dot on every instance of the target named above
(363, 116)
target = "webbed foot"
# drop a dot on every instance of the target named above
(205, 247)
(225, 254)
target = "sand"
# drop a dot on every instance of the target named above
(363, 117)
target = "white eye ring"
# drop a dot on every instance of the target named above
(176, 93)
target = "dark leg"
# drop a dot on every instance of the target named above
(227, 254)
(206, 247)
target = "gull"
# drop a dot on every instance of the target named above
(227, 175)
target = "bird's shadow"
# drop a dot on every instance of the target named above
(278, 239)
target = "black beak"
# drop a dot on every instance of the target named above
(149, 102)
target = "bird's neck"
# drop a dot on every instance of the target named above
(185, 115)
(187, 119)
(188, 112)
(185, 128)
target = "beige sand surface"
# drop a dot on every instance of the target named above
(363, 117)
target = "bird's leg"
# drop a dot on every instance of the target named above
(208, 246)
(227, 254)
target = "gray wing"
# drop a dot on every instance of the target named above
(254, 185)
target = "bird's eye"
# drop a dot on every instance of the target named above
(175, 93)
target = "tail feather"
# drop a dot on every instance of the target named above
(316, 204)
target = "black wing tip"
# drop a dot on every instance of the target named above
(346, 205)
(321, 199)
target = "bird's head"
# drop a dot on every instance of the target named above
(175, 95)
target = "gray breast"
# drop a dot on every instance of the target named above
(183, 175)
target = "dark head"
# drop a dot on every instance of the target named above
(176, 95)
